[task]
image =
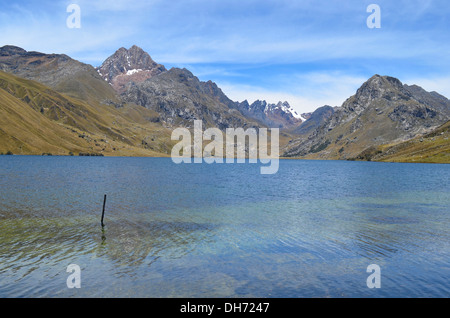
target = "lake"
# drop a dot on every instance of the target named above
(222, 230)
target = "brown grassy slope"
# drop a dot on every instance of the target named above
(35, 119)
(430, 148)
(25, 131)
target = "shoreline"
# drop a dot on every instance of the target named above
(167, 156)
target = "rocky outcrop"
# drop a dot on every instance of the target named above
(180, 98)
(383, 111)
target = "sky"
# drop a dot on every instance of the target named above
(307, 52)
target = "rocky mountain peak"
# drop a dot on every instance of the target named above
(129, 65)
(377, 86)
(384, 89)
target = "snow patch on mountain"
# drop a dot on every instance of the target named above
(302, 118)
(131, 72)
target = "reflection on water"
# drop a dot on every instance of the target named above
(222, 230)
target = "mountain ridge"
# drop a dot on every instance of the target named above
(129, 85)
(382, 111)
(58, 71)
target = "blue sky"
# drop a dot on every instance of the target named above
(307, 52)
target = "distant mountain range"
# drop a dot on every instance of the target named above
(130, 104)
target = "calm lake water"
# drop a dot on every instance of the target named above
(191, 230)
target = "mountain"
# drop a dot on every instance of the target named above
(132, 65)
(383, 111)
(307, 116)
(180, 98)
(314, 120)
(59, 72)
(280, 115)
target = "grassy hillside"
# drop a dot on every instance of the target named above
(431, 148)
(34, 119)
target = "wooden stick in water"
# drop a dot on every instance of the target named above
(103, 212)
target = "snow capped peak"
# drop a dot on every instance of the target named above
(268, 108)
(286, 108)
